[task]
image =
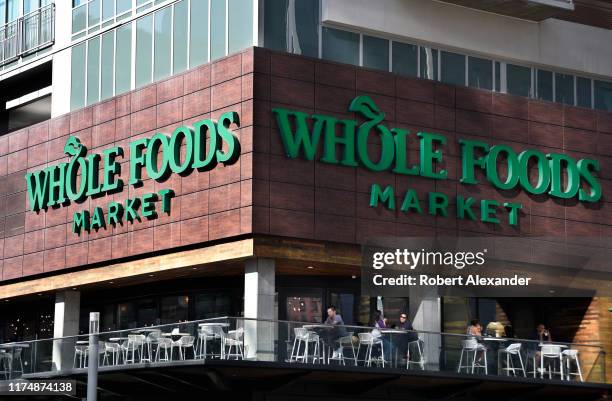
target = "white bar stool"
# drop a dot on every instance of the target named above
(571, 355)
(369, 340)
(512, 351)
(551, 353)
(471, 345)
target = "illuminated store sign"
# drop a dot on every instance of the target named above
(95, 175)
(346, 143)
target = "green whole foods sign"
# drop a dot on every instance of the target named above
(94, 175)
(347, 143)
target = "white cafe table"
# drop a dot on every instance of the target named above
(145, 330)
(117, 338)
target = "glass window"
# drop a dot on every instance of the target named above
(107, 64)
(307, 28)
(480, 73)
(93, 70)
(123, 5)
(12, 10)
(212, 305)
(126, 316)
(564, 88)
(340, 46)
(299, 27)
(144, 50)
(77, 81)
(497, 76)
(603, 95)
(583, 92)
(147, 312)
(240, 20)
(163, 43)
(405, 59)
(198, 37)
(93, 12)
(545, 85)
(452, 68)
(275, 28)
(217, 29)
(30, 5)
(429, 63)
(180, 36)
(123, 59)
(79, 18)
(375, 53)
(2, 13)
(108, 9)
(304, 308)
(518, 80)
(174, 309)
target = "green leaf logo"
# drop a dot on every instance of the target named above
(73, 146)
(365, 106)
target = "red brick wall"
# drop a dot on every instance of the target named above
(208, 206)
(298, 198)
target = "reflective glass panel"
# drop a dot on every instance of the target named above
(518, 80)
(545, 85)
(163, 43)
(217, 29)
(480, 73)
(375, 53)
(240, 20)
(340, 46)
(108, 61)
(123, 59)
(198, 37)
(429, 63)
(452, 68)
(180, 36)
(583, 92)
(144, 50)
(603, 95)
(405, 59)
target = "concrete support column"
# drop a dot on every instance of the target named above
(259, 289)
(426, 314)
(65, 323)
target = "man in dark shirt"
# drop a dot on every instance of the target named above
(334, 319)
(409, 337)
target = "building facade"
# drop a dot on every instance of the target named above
(228, 217)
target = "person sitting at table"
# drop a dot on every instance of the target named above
(542, 334)
(474, 329)
(403, 341)
(334, 319)
(379, 322)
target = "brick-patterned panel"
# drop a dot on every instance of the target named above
(209, 205)
(284, 189)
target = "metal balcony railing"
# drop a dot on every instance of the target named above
(302, 344)
(27, 34)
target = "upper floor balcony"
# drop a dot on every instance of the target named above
(27, 34)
